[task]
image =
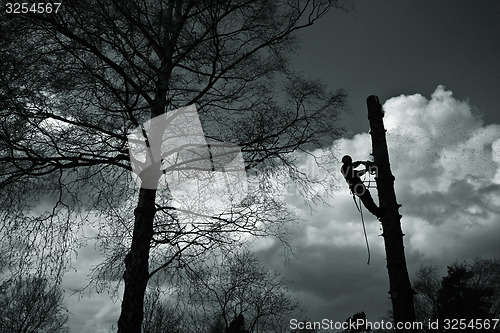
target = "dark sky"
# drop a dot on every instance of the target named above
(388, 48)
(437, 64)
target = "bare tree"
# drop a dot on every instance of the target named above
(32, 305)
(426, 284)
(159, 315)
(237, 293)
(78, 82)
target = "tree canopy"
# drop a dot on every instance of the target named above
(469, 291)
(74, 84)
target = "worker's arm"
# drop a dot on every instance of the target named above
(360, 173)
(358, 163)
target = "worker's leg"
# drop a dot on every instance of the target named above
(364, 194)
(370, 204)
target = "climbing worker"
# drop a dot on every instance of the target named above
(356, 185)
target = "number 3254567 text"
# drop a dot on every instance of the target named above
(34, 8)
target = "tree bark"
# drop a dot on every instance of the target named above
(401, 292)
(137, 264)
(136, 274)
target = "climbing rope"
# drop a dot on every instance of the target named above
(359, 207)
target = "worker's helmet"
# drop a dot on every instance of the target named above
(346, 159)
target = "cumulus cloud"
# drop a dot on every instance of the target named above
(443, 138)
(446, 163)
(447, 167)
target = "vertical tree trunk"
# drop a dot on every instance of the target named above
(400, 292)
(137, 264)
(136, 274)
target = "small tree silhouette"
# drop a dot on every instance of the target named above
(458, 299)
(354, 321)
(32, 305)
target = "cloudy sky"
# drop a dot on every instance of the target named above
(447, 167)
(436, 68)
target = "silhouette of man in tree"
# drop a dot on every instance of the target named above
(356, 185)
